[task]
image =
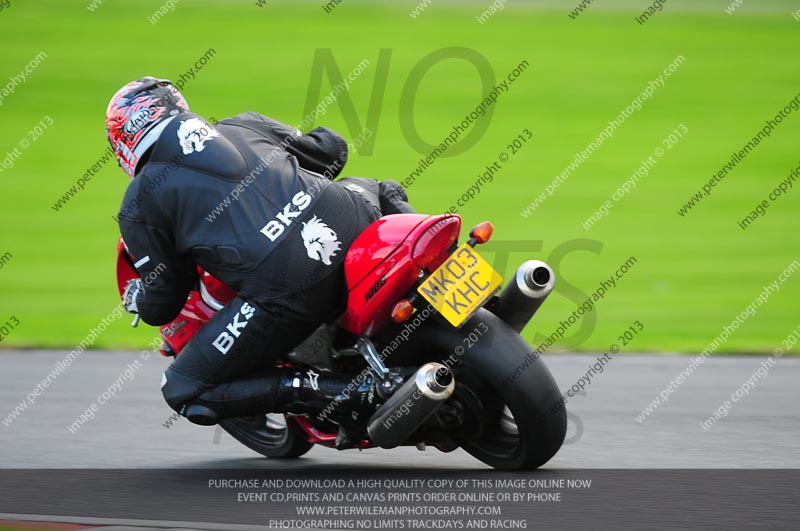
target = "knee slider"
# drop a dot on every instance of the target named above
(180, 392)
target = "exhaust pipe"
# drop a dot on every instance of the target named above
(411, 405)
(524, 294)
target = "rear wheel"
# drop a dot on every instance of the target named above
(270, 435)
(520, 438)
(522, 416)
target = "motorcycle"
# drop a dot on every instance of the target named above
(427, 318)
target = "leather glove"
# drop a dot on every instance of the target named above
(132, 291)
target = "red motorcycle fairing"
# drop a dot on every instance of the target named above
(384, 263)
(125, 269)
(200, 307)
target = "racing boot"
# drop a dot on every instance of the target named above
(342, 399)
(338, 398)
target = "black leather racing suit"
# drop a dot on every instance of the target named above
(247, 201)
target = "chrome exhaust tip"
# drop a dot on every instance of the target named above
(538, 278)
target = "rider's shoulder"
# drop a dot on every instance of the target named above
(190, 142)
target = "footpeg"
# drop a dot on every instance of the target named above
(387, 381)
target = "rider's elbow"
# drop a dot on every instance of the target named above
(160, 312)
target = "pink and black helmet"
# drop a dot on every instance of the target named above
(137, 114)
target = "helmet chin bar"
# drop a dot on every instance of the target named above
(125, 159)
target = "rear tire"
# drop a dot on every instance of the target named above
(270, 435)
(530, 429)
(507, 367)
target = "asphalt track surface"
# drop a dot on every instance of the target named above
(761, 430)
(125, 470)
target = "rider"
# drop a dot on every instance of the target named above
(246, 200)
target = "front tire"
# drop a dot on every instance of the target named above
(270, 435)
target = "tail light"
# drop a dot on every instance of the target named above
(431, 249)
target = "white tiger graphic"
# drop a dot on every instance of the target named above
(321, 242)
(193, 135)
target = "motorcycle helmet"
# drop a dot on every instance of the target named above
(136, 115)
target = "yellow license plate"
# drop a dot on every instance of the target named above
(460, 285)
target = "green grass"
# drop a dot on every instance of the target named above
(694, 274)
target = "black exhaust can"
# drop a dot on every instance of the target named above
(416, 400)
(524, 294)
